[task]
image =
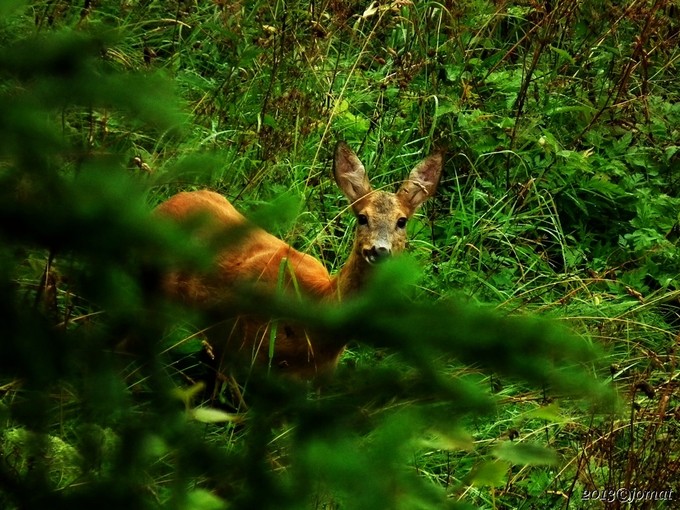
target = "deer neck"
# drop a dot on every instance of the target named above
(353, 276)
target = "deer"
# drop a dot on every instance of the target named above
(256, 257)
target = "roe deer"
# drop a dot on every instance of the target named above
(257, 257)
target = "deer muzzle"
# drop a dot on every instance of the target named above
(377, 254)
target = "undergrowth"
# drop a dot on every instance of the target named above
(559, 201)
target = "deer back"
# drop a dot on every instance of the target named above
(249, 254)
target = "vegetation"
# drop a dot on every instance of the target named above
(524, 356)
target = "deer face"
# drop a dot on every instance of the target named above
(381, 226)
(382, 216)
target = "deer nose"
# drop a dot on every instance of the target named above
(377, 254)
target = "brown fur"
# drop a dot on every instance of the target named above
(257, 256)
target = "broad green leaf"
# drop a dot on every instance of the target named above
(549, 413)
(201, 499)
(210, 415)
(525, 454)
(489, 474)
(452, 440)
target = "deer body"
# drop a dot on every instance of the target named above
(257, 257)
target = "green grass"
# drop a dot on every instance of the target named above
(559, 201)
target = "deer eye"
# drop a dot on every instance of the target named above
(401, 222)
(362, 219)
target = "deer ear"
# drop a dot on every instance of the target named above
(349, 173)
(422, 181)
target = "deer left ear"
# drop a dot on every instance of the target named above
(349, 173)
(422, 181)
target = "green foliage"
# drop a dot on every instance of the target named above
(560, 199)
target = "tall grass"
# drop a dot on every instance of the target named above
(559, 201)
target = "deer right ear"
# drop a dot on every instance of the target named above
(349, 173)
